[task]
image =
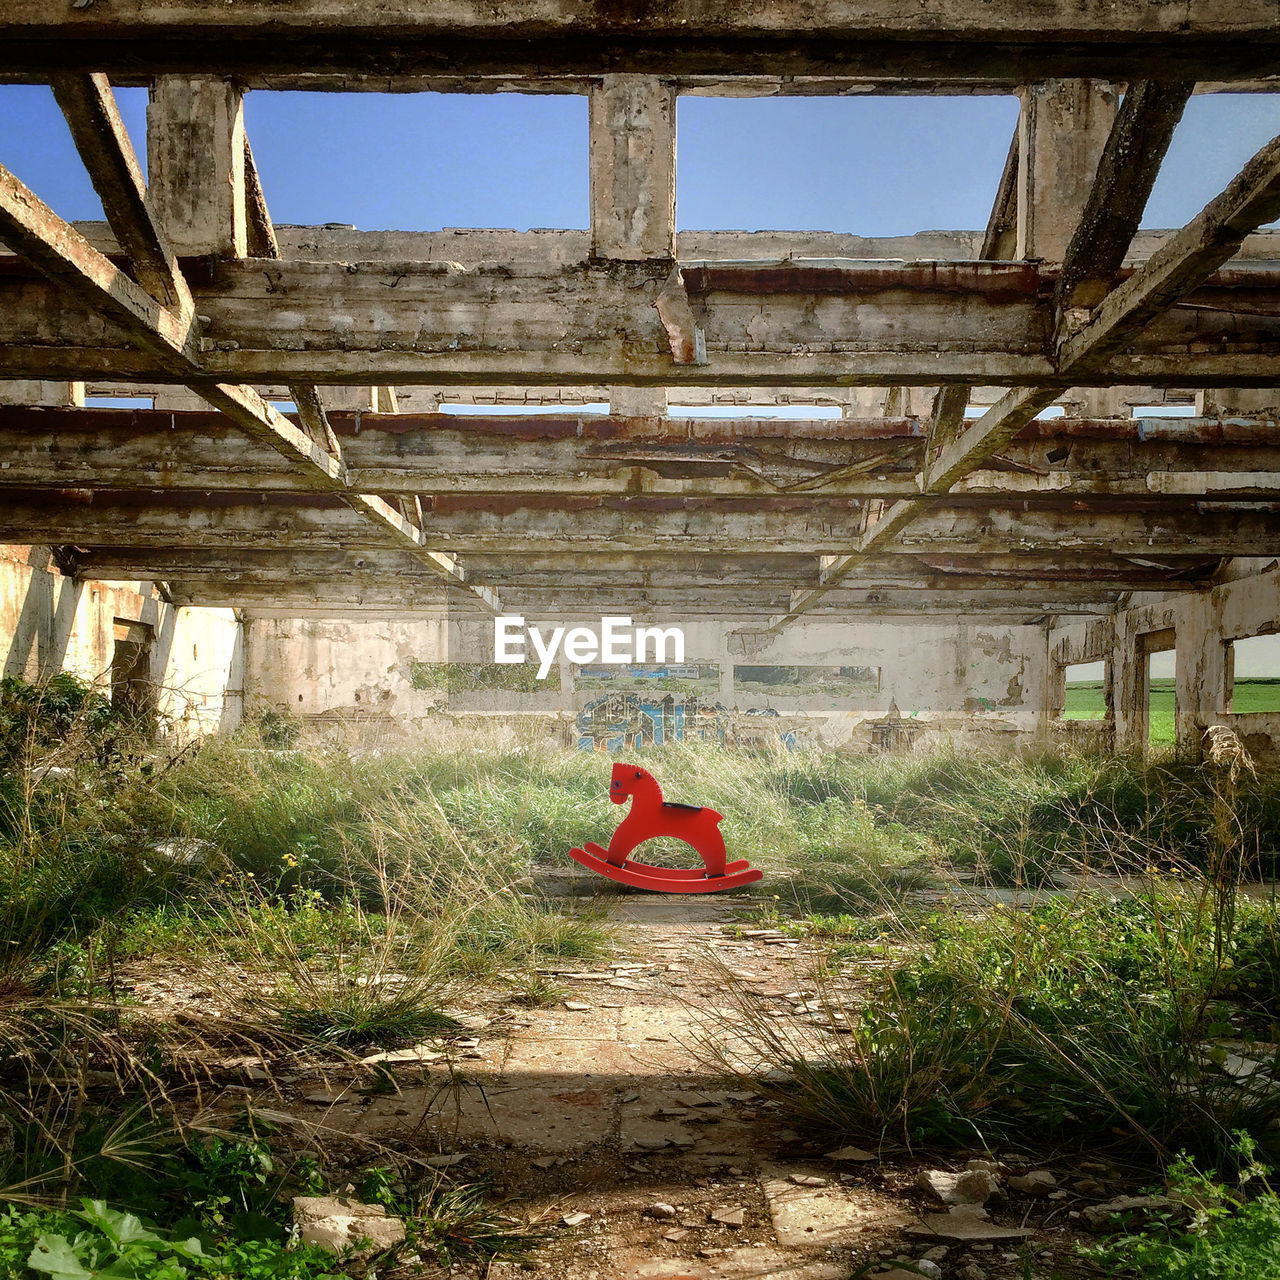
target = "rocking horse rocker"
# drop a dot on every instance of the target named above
(652, 817)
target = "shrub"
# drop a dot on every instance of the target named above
(37, 716)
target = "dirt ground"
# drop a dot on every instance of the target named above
(595, 1118)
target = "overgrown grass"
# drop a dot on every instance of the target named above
(1017, 818)
(333, 901)
(327, 903)
(1075, 1021)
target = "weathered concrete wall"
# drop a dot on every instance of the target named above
(1202, 624)
(961, 679)
(50, 623)
(343, 668)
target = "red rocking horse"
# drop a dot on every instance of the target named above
(652, 817)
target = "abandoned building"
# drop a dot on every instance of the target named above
(1055, 443)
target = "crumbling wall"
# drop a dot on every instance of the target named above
(343, 669)
(1202, 622)
(51, 623)
(943, 678)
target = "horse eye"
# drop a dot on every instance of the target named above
(637, 773)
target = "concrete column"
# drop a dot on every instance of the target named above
(726, 693)
(633, 168)
(638, 402)
(1102, 402)
(351, 399)
(195, 161)
(27, 392)
(1061, 133)
(1201, 674)
(866, 402)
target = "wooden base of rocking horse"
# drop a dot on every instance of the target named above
(643, 875)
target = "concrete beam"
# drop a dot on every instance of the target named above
(103, 142)
(1062, 130)
(1082, 576)
(633, 168)
(477, 245)
(196, 164)
(961, 41)
(833, 324)
(1160, 527)
(711, 458)
(286, 599)
(1126, 172)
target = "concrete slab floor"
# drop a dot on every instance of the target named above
(609, 1111)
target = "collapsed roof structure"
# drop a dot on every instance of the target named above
(939, 493)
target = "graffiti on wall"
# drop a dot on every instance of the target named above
(630, 721)
(625, 720)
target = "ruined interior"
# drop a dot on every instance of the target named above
(1016, 459)
(940, 528)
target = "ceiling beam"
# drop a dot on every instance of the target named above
(55, 248)
(103, 143)
(795, 324)
(1173, 271)
(425, 454)
(970, 41)
(1089, 574)
(1157, 527)
(1127, 170)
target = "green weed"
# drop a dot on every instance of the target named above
(1231, 1233)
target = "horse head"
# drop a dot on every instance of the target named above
(631, 780)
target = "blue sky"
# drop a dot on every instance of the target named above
(877, 166)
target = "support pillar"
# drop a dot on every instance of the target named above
(55, 394)
(1238, 402)
(195, 162)
(638, 402)
(633, 168)
(1062, 131)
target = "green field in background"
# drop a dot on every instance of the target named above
(1084, 701)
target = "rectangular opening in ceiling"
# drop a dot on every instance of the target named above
(1215, 138)
(36, 146)
(1085, 696)
(1252, 671)
(871, 166)
(1164, 411)
(1053, 411)
(793, 411)
(523, 410)
(421, 161)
